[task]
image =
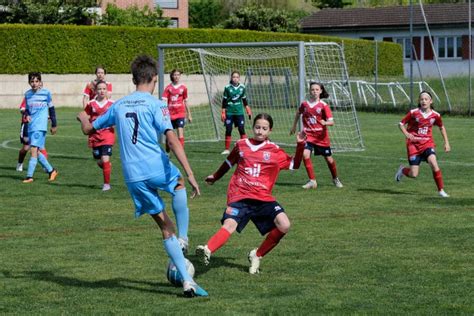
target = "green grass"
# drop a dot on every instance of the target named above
(373, 247)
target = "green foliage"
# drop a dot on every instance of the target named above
(259, 18)
(205, 13)
(47, 12)
(323, 4)
(133, 16)
(77, 49)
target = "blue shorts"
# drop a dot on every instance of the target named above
(179, 122)
(236, 120)
(37, 138)
(99, 151)
(415, 160)
(24, 134)
(261, 213)
(145, 193)
(318, 150)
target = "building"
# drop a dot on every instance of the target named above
(176, 10)
(448, 25)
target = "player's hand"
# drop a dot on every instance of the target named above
(190, 119)
(292, 130)
(82, 116)
(323, 122)
(28, 119)
(210, 179)
(223, 115)
(192, 181)
(410, 137)
(54, 130)
(249, 112)
(447, 147)
(301, 137)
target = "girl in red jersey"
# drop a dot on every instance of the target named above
(176, 95)
(249, 194)
(316, 116)
(419, 140)
(102, 140)
(90, 89)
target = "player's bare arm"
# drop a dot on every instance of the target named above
(447, 147)
(86, 126)
(295, 121)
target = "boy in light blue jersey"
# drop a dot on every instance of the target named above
(39, 107)
(140, 119)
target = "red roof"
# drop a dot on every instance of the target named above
(448, 13)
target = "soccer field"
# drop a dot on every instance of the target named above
(374, 246)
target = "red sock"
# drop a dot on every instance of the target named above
(309, 168)
(228, 139)
(273, 238)
(406, 172)
(106, 171)
(438, 177)
(243, 136)
(44, 152)
(332, 168)
(218, 240)
(181, 140)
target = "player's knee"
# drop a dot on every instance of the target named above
(180, 184)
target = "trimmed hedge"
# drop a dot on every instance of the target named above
(66, 49)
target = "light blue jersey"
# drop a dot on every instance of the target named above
(37, 105)
(139, 119)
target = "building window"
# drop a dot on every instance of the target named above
(449, 47)
(405, 43)
(167, 4)
(173, 23)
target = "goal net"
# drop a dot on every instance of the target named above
(276, 76)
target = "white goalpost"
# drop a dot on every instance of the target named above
(276, 76)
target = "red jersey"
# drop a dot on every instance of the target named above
(313, 113)
(89, 90)
(104, 136)
(257, 170)
(420, 125)
(176, 95)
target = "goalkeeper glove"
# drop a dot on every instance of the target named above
(249, 112)
(223, 115)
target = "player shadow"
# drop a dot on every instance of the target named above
(451, 201)
(70, 157)
(14, 177)
(386, 191)
(114, 283)
(77, 185)
(216, 262)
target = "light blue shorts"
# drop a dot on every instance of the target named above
(145, 193)
(37, 138)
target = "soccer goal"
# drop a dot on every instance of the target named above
(276, 76)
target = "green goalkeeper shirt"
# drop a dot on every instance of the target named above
(233, 99)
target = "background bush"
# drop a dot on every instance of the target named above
(64, 49)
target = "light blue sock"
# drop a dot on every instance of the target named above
(31, 167)
(179, 204)
(176, 254)
(44, 162)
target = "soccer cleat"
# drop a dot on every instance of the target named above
(191, 289)
(312, 184)
(52, 175)
(204, 254)
(443, 194)
(183, 243)
(19, 167)
(254, 262)
(337, 183)
(399, 174)
(225, 152)
(28, 180)
(106, 187)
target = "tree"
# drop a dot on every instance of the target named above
(259, 18)
(205, 13)
(133, 16)
(323, 4)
